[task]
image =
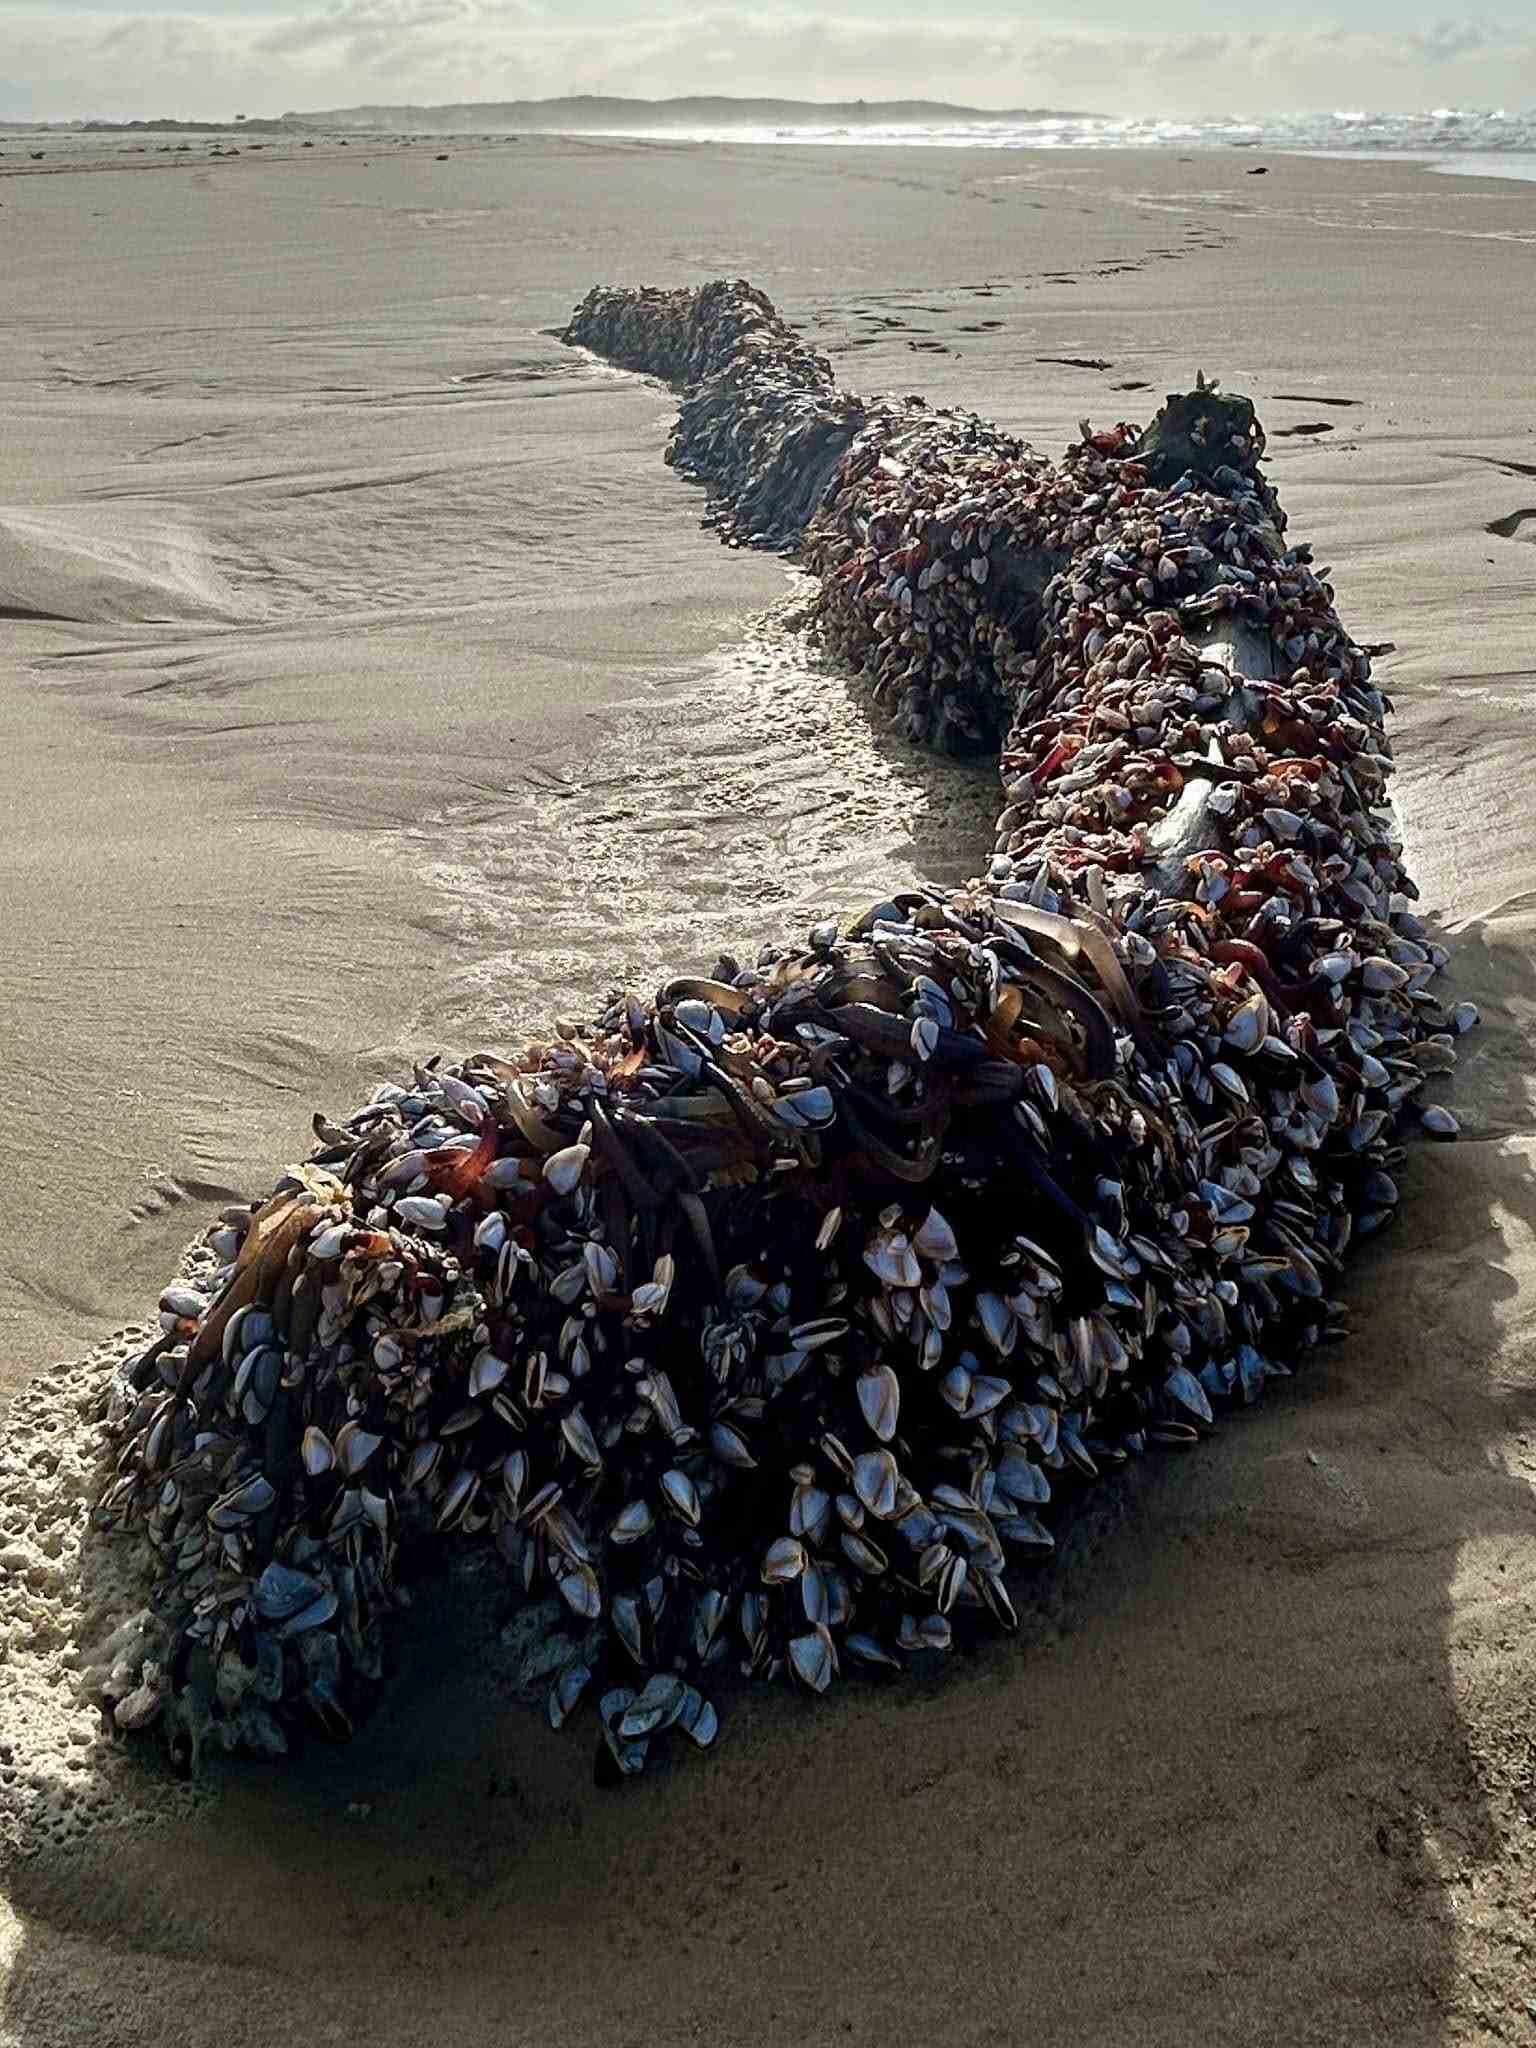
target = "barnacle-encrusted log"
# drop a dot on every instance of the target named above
(789, 460)
(762, 1320)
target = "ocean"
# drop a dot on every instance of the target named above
(1470, 141)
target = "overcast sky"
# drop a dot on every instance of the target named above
(221, 57)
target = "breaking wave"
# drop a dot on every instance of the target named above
(1441, 131)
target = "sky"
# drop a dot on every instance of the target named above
(215, 58)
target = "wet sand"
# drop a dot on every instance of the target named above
(367, 688)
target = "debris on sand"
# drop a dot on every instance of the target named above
(765, 1318)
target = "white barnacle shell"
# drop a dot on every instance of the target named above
(924, 1038)
(317, 1452)
(423, 1212)
(355, 1446)
(783, 1561)
(1320, 1094)
(702, 1019)
(698, 1719)
(809, 1508)
(997, 1321)
(864, 1555)
(658, 1704)
(875, 1481)
(730, 1447)
(1229, 1080)
(956, 1388)
(1182, 1387)
(632, 1522)
(817, 1333)
(934, 1239)
(1380, 976)
(879, 1393)
(1248, 1025)
(252, 1496)
(487, 1372)
(577, 1432)
(681, 1496)
(182, 1304)
(987, 1393)
(570, 1285)
(815, 1600)
(581, 1591)
(890, 1257)
(329, 1243)
(830, 1224)
(280, 1593)
(567, 1691)
(602, 1267)
(564, 1169)
(807, 1110)
(813, 1660)
(423, 1462)
(491, 1232)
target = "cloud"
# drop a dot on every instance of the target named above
(1444, 41)
(60, 65)
(392, 23)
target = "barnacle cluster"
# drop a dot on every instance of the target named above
(765, 1317)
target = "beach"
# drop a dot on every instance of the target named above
(369, 690)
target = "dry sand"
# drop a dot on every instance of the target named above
(367, 687)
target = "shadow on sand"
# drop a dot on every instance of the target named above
(1226, 1786)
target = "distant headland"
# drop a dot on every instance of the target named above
(590, 113)
(595, 112)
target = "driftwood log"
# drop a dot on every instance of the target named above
(762, 1320)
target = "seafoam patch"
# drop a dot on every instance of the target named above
(70, 1603)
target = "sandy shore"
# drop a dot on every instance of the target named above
(367, 688)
